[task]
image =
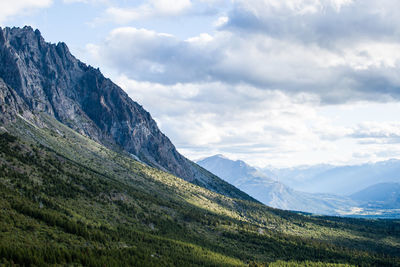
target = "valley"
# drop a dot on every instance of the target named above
(268, 186)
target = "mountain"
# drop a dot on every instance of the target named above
(71, 195)
(298, 177)
(271, 192)
(382, 196)
(341, 180)
(236, 172)
(38, 78)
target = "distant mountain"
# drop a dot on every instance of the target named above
(39, 78)
(380, 196)
(341, 180)
(236, 172)
(296, 177)
(271, 192)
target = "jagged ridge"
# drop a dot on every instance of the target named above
(39, 77)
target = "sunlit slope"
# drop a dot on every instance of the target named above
(67, 199)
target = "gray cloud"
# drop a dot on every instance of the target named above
(385, 133)
(355, 73)
(322, 21)
(149, 56)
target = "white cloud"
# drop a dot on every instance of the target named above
(265, 8)
(241, 121)
(20, 7)
(149, 9)
(77, 1)
(170, 7)
(265, 127)
(221, 21)
(387, 132)
(338, 4)
(88, 1)
(372, 55)
(202, 39)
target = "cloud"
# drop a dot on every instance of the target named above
(150, 56)
(148, 9)
(168, 7)
(9, 9)
(77, 1)
(221, 21)
(263, 127)
(377, 132)
(365, 71)
(123, 13)
(325, 22)
(87, 1)
(240, 121)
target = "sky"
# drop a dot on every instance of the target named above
(272, 82)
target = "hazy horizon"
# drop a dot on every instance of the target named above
(292, 166)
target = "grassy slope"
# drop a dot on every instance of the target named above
(65, 198)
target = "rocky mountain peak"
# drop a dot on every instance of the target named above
(47, 78)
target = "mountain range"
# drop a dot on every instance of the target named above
(381, 199)
(339, 180)
(88, 179)
(380, 196)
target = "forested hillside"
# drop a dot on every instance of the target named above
(66, 199)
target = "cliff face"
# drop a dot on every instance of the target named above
(38, 77)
